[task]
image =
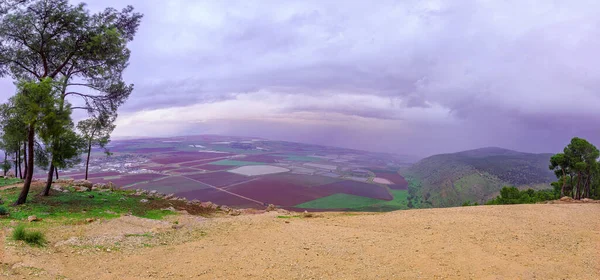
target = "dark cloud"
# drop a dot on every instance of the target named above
(425, 76)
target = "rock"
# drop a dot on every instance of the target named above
(143, 200)
(195, 201)
(271, 207)
(235, 212)
(169, 196)
(566, 199)
(170, 208)
(153, 192)
(83, 183)
(587, 200)
(32, 218)
(110, 185)
(65, 181)
(65, 191)
(178, 226)
(89, 220)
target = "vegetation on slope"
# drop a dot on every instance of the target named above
(475, 175)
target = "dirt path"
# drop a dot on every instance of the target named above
(560, 241)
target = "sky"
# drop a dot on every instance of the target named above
(408, 77)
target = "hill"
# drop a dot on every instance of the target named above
(541, 241)
(475, 175)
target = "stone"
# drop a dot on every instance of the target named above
(235, 212)
(588, 200)
(65, 191)
(83, 183)
(178, 226)
(169, 196)
(143, 200)
(153, 192)
(271, 207)
(89, 220)
(566, 199)
(32, 218)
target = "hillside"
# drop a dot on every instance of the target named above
(542, 241)
(475, 175)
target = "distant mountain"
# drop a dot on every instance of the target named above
(475, 175)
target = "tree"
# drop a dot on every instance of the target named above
(96, 132)
(36, 102)
(63, 153)
(52, 39)
(560, 165)
(580, 162)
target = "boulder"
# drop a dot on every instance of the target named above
(566, 199)
(587, 200)
(65, 181)
(271, 207)
(32, 218)
(143, 200)
(89, 220)
(235, 212)
(83, 183)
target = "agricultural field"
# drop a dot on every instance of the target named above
(256, 170)
(252, 172)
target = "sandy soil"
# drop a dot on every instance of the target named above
(551, 241)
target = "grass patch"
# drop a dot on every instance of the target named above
(288, 217)
(34, 238)
(339, 201)
(9, 181)
(228, 162)
(75, 207)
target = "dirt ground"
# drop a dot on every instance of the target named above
(550, 241)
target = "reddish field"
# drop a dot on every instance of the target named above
(173, 184)
(214, 167)
(177, 157)
(94, 175)
(360, 189)
(219, 197)
(290, 191)
(185, 170)
(131, 179)
(160, 168)
(279, 192)
(196, 162)
(219, 179)
(399, 182)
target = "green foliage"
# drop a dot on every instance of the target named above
(339, 201)
(577, 169)
(451, 179)
(3, 210)
(34, 238)
(512, 195)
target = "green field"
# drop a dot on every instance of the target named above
(339, 201)
(400, 202)
(228, 162)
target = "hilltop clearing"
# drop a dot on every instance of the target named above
(543, 241)
(475, 175)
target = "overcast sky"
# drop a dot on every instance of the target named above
(411, 77)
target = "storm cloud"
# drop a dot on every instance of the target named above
(411, 77)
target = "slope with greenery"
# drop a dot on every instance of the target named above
(476, 175)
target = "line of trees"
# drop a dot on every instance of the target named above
(61, 54)
(577, 169)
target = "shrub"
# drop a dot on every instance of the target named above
(3, 210)
(32, 238)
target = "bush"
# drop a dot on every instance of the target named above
(32, 238)
(512, 195)
(3, 210)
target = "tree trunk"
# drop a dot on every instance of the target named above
(19, 157)
(56, 171)
(562, 188)
(5, 159)
(25, 156)
(16, 164)
(579, 185)
(30, 138)
(586, 193)
(87, 162)
(49, 181)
